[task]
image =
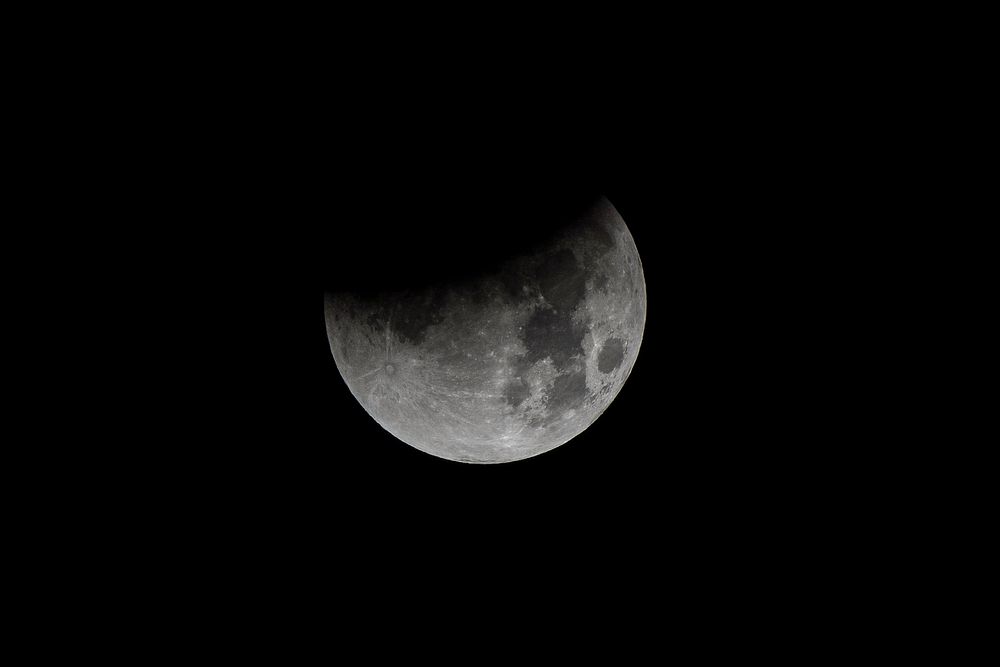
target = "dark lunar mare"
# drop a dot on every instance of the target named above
(611, 355)
(568, 391)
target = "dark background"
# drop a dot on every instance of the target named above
(284, 184)
(252, 169)
(701, 429)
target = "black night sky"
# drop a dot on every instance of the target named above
(328, 192)
(395, 210)
(252, 169)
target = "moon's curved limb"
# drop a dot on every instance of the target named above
(507, 368)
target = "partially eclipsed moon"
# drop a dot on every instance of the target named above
(509, 366)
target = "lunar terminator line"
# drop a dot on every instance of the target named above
(506, 366)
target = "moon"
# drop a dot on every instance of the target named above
(510, 364)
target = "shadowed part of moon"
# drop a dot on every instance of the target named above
(505, 366)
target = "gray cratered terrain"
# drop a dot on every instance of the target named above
(507, 366)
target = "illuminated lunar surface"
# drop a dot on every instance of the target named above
(505, 366)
